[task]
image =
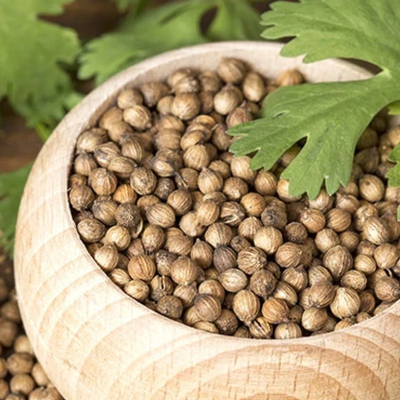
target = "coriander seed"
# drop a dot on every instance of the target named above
(143, 181)
(346, 303)
(290, 77)
(296, 278)
(234, 280)
(288, 255)
(246, 306)
(313, 319)
(224, 258)
(368, 301)
(249, 227)
(376, 230)
(287, 330)
(142, 267)
(268, 239)
(138, 116)
(209, 181)
(265, 183)
(185, 106)
(196, 157)
(129, 98)
(338, 261)
(170, 306)
(91, 230)
(253, 87)
(181, 201)
(286, 292)
(107, 258)
(386, 255)
(232, 70)
(161, 215)
(232, 213)
(227, 99)
(179, 245)
(321, 294)
(227, 323)
(275, 311)
(274, 216)
(251, 259)
(313, 220)
(372, 188)
(296, 232)
(323, 202)
(260, 328)
(387, 289)
(338, 220)
(318, 273)
(326, 239)
(184, 271)
(206, 326)
(253, 204)
(207, 307)
(218, 234)
(240, 167)
(81, 197)
(212, 287)
(355, 280)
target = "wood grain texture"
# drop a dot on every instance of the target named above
(96, 343)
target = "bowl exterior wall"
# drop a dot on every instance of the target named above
(97, 344)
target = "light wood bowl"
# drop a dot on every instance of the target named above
(96, 343)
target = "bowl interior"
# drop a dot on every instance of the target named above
(207, 58)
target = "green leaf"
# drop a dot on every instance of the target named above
(393, 174)
(394, 108)
(149, 33)
(368, 30)
(330, 116)
(327, 115)
(165, 28)
(11, 188)
(235, 20)
(32, 55)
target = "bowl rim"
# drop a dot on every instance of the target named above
(98, 103)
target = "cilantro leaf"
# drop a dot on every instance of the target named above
(368, 30)
(142, 36)
(165, 28)
(235, 20)
(331, 116)
(11, 188)
(34, 50)
(393, 174)
(326, 115)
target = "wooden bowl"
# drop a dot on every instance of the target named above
(96, 343)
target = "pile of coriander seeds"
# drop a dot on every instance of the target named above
(190, 231)
(21, 375)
